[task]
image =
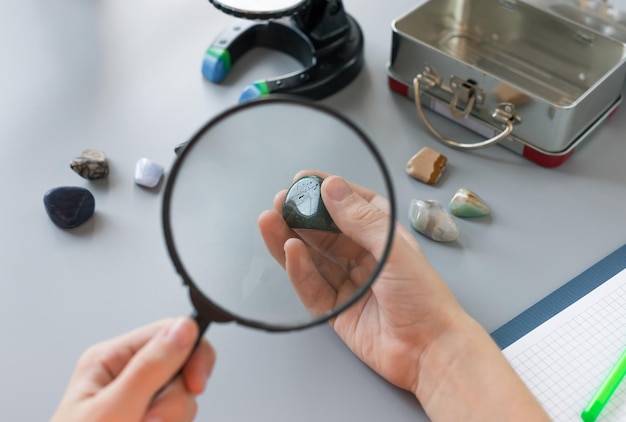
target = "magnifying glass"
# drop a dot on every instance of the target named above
(319, 34)
(239, 165)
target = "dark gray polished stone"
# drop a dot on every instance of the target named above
(69, 206)
(303, 207)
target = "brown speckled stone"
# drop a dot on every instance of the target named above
(427, 165)
(92, 164)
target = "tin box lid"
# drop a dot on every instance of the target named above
(599, 16)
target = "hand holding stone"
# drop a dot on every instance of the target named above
(408, 327)
(325, 266)
(407, 306)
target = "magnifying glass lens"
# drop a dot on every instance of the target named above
(242, 164)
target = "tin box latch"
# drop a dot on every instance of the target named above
(468, 95)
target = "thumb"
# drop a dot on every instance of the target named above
(154, 365)
(357, 218)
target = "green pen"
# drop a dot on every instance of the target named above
(602, 396)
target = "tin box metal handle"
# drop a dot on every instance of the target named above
(503, 113)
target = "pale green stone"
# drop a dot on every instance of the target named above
(466, 203)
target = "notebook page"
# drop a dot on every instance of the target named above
(564, 360)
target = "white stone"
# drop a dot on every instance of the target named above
(148, 173)
(430, 218)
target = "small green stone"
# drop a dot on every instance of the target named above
(466, 203)
(303, 207)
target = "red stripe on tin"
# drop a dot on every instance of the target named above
(398, 86)
(545, 160)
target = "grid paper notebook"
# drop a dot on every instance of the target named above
(564, 346)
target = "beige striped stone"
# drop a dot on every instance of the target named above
(427, 165)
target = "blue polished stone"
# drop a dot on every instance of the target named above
(69, 206)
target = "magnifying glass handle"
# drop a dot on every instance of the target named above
(203, 324)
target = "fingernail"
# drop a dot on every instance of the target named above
(337, 189)
(181, 333)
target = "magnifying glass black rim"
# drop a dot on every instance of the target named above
(260, 15)
(169, 238)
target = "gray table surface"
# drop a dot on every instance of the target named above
(124, 76)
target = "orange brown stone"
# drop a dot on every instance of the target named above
(427, 165)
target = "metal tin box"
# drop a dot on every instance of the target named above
(529, 80)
